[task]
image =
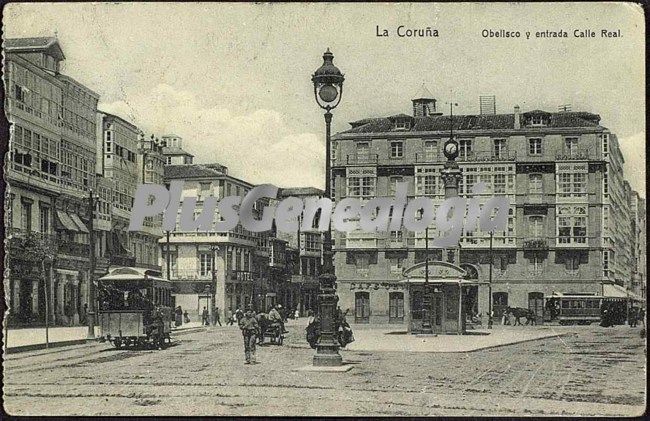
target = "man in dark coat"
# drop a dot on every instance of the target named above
(249, 329)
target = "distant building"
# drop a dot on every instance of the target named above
(173, 151)
(569, 225)
(304, 253)
(227, 269)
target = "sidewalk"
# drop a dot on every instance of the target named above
(29, 339)
(397, 340)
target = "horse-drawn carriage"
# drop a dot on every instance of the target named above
(270, 330)
(135, 308)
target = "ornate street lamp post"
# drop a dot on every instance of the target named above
(328, 90)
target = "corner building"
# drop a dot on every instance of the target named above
(568, 215)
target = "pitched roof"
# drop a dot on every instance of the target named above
(174, 150)
(472, 122)
(190, 171)
(423, 93)
(35, 44)
(300, 191)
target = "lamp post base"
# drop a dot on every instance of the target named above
(327, 357)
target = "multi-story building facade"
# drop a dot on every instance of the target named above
(304, 250)
(150, 164)
(568, 217)
(50, 170)
(118, 161)
(173, 151)
(228, 269)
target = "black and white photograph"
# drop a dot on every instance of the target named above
(324, 209)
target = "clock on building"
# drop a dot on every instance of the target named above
(451, 149)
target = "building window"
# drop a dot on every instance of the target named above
(571, 144)
(499, 148)
(465, 148)
(426, 182)
(361, 307)
(333, 145)
(396, 307)
(431, 150)
(363, 151)
(396, 259)
(535, 183)
(605, 182)
(363, 187)
(536, 121)
(45, 219)
(396, 149)
(396, 236)
(572, 262)
(205, 264)
(393, 184)
(535, 146)
(536, 224)
(572, 180)
(606, 263)
(605, 138)
(26, 215)
(572, 225)
(402, 124)
(535, 261)
(499, 183)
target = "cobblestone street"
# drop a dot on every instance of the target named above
(589, 371)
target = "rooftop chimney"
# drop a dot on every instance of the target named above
(517, 118)
(487, 104)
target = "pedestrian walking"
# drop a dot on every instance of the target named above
(250, 329)
(186, 317)
(216, 316)
(178, 320)
(238, 314)
(231, 318)
(84, 313)
(205, 317)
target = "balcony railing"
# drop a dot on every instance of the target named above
(74, 249)
(573, 155)
(535, 243)
(362, 159)
(487, 156)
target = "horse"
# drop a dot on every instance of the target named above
(519, 312)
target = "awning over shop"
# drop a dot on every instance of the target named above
(65, 222)
(617, 291)
(79, 223)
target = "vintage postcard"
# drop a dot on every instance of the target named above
(247, 209)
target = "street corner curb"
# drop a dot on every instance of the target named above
(37, 347)
(554, 335)
(324, 369)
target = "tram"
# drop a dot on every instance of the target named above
(573, 308)
(135, 308)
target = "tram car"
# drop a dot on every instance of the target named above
(570, 309)
(135, 308)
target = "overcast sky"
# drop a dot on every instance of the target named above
(234, 79)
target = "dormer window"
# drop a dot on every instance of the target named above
(402, 125)
(537, 120)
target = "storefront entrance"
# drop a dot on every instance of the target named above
(436, 302)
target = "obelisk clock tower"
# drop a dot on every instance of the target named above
(451, 176)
